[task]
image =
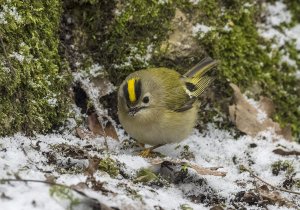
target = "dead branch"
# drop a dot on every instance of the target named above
(96, 203)
(272, 186)
(283, 152)
(199, 169)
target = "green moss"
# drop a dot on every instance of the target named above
(185, 207)
(145, 175)
(33, 80)
(64, 193)
(297, 183)
(186, 153)
(279, 166)
(294, 7)
(248, 60)
(134, 194)
(120, 36)
(109, 166)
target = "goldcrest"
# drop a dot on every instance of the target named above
(158, 105)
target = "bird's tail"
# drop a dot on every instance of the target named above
(196, 79)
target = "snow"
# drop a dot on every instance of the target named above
(21, 157)
(201, 29)
(52, 101)
(85, 76)
(95, 70)
(195, 2)
(278, 14)
(293, 34)
(261, 114)
(133, 163)
(163, 1)
(9, 12)
(17, 56)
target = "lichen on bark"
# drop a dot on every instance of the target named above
(33, 77)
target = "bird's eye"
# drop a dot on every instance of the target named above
(146, 99)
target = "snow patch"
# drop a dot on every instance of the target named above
(9, 12)
(17, 56)
(278, 14)
(201, 30)
(261, 115)
(195, 2)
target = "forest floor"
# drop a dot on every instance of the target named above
(130, 183)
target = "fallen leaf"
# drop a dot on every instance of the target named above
(248, 197)
(79, 186)
(50, 178)
(97, 185)
(285, 152)
(287, 132)
(244, 115)
(102, 85)
(111, 131)
(207, 171)
(266, 105)
(96, 86)
(93, 166)
(274, 197)
(94, 125)
(218, 207)
(83, 134)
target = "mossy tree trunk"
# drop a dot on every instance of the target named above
(33, 77)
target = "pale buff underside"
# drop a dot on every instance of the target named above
(155, 127)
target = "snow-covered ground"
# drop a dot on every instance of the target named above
(64, 157)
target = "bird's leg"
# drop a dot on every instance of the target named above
(141, 145)
(148, 152)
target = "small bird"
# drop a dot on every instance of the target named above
(157, 106)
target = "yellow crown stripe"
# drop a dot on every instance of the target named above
(131, 90)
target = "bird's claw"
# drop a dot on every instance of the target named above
(146, 153)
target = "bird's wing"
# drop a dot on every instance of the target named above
(186, 106)
(196, 79)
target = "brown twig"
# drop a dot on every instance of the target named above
(94, 201)
(199, 169)
(44, 182)
(260, 179)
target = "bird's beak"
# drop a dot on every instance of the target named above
(133, 110)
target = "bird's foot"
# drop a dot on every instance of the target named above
(149, 153)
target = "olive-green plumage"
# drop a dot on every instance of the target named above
(158, 105)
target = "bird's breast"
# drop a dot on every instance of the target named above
(160, 126)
